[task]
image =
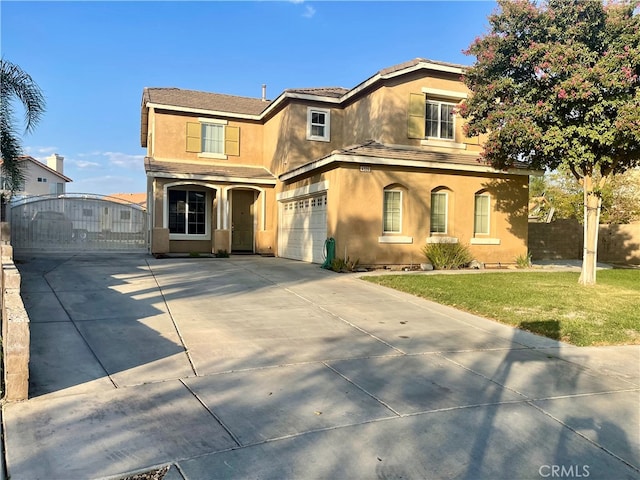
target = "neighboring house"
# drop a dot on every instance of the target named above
(41, 178)
(383, 168)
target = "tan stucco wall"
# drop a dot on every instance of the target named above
(382, 115)
(285, 137)
(354, 215)
(170, 140)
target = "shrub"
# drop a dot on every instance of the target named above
(341, 265)
(523, 261)
(222, 254)
(446, 256)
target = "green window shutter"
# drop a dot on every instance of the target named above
(194, 142)
(416, 117)
(232, 140)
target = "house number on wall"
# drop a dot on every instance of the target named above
(365, 168)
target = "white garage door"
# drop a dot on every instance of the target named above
(303, 228)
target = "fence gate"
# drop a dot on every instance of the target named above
(77, 222)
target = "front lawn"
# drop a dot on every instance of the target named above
(552, 304)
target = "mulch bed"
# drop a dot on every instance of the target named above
(156, 474)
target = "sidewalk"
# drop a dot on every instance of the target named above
(254, 367)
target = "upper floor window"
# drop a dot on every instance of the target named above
(431, 117)
(481, 214)
(212, 138)
(439, 122)
(439, 207)
(392, 211)
(318, 124)
(42, 180)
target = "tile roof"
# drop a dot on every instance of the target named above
(377, 153)
(335, 92)
(374, 149)
(178, 97)
(206, 170)
(136, 198)
(417, 61)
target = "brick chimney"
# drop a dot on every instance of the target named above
(55, 162)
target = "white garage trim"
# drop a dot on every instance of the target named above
(302, 226)
(302, 191)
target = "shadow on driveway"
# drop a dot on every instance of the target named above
(263, 367)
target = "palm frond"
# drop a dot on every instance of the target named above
(15, 82)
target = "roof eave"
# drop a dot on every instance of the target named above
(203, 111)
(397, 162)
(213, 178)
(47, 168)
(286, 95)
(418, 66)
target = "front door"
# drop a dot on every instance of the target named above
(242, 220)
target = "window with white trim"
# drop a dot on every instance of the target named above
(318, 124)
(481, 214)
(212, 138)
(392, 211)
(187, 212)
(56, 188)
(439, 202)
(440, 120)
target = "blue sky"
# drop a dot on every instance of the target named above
(92, 60)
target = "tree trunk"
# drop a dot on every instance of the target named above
(592, 203)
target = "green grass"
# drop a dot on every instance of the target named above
(552, 304)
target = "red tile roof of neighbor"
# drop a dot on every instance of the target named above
(136, 198)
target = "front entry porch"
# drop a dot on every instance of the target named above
(205, 218)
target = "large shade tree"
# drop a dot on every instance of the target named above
(555, 84)
(16, 84)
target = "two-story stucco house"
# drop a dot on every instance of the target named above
(383, 168)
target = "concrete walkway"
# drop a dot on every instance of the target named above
(253, 367)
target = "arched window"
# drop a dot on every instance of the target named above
(439, 210)
(481, 213)
(392, 209)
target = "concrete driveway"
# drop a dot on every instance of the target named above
(253, 367)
